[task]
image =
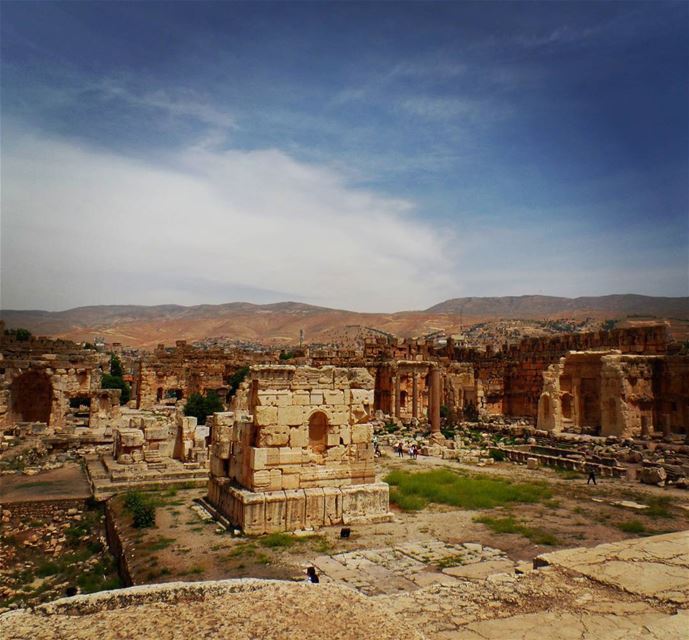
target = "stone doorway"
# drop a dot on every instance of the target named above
(32, 397)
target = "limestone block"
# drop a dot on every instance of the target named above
(301, 398)
(298, 437)
(156, 432)
(366, 500)
(315, 507)
(258, 458)
(131, 437)
(295, 510)
(275, 483)
(335, 453)
(261, 480)
(362, 433)
(253, 512)
(316, 397)
(332, 505)
(266, 416)
(222, 450)
(284, 398)
(266, 399)
(290, 479)
(224, 418)
(272, 456)
(358, 413)
(217, 467)
(653, 475)
(189, 423)
(532, 463)
(333, 397)
(339, 418)
(275, 508)
(291, 416)
(290, 456)
(275, 436)
(362, 396)
(333, 438)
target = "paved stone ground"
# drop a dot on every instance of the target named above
(619, 591)
(410, 566)
(575, 595)
(655, 567)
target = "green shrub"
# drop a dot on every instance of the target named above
(202, 406)
(632, 526)
(141, 507)
(109, 381)
(47, 568)
(144, 516)
(497, 455)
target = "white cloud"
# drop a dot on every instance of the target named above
(85, 227)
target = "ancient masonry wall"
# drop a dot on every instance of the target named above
(297, 451)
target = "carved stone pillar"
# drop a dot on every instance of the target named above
(398, 396)
(415, 395)
(434, 401)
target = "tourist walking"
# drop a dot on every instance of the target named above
(312, 576)
(592, 477)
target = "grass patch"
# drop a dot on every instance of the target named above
(451, 561)
(246, 549)
(159, 543)
(413, 491)
(632, 526)
(568, 474)
(658, 507)
(277, 540)
(510, 525)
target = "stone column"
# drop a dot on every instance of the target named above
(645, 431)
(415, 395)
(398, 396)
(434, 402)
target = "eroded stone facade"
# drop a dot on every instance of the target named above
(296, 451)
(56, 383)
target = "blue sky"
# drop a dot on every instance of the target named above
(374, 156)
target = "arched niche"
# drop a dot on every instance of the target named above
(318, 432)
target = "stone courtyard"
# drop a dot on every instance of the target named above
(572, 594)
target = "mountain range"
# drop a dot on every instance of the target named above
(280, 323)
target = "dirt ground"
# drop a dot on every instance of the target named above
(69, 481)
(184, 547)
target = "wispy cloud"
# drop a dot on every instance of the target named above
(179, 104)
(219, 220)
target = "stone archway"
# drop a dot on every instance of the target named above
(318, 432)
(31, 397)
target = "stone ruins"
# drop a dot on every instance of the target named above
(296, 452)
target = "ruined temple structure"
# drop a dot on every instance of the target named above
(624, 382)
(627, 395)
(56, 383)
(296, 452)
(168, 375)
(151, 449)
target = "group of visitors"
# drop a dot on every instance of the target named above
(412, 450)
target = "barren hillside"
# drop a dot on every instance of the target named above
(280, 323)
